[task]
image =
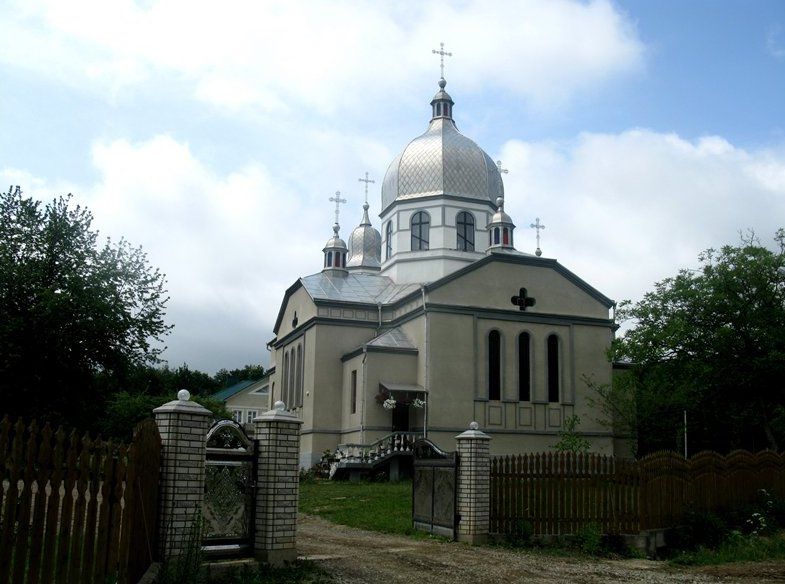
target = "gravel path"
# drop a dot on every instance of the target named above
(357, 556)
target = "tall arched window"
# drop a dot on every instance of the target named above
(388, 240)
(553, 368)
(285, 380)
(292, 382)
(494, 366)
(464, 224)
(524, 367)
(299, 376)
(421, 224)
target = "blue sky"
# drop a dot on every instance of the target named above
(213, 134)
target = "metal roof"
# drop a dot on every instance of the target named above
(355, 287)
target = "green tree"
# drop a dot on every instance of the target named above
(226, 378)
(710, 342)
(570, 439)
(71, 308)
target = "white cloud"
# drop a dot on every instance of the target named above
(774, 41)
(626, 210)
(328, 56)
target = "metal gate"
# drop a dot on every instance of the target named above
(434, 489)
(228, 509)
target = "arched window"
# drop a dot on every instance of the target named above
(292, 382)
(285, 380)
(329, 259)
(553, 368)
(524, 367)
(421, 224)
(496, 236)
(506, 237)
(388, 240)
(464, 224)
(494, 365)
(299, 376)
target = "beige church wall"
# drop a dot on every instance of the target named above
(451, 370)
(331, 342)
(508, 443)
(591, 362)
(492, 286)
(301, 303)
(351, 420)
(392, 368)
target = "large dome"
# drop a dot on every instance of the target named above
(442, 161)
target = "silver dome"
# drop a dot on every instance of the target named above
(365, 245)
(442, 161)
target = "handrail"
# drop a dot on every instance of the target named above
(385, 446)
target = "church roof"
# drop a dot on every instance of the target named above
(392, 339)
(356, 287)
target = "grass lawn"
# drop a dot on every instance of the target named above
(384, 507)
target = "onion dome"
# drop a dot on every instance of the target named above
(365, 246)
(335, 253)
(442, 161)
(500, 229)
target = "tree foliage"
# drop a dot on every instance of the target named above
(711, 342)
(72, 307)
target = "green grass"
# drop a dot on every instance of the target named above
(383, 507)
(300, 572)
(738, 548)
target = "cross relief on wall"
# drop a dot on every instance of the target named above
(522, 300)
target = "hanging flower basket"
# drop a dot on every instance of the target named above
(418, 403)
(389, 403)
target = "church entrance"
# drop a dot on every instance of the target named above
(400, 418)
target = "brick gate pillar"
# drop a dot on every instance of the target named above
(183, 426)
(474, 480)
(277, 433)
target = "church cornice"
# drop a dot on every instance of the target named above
(417, 199)
(517, 316)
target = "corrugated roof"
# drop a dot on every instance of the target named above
(228, 392)
(394, 339)
(355, 287)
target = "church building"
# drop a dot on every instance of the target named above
(439, 320)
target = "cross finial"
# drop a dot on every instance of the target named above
(367, 181)
(337, 200)
(441, 54)
(537, 225)
(499, 166)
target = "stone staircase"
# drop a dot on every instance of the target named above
(357, 459)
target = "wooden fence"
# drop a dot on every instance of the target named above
(74, 509)
(560, 493)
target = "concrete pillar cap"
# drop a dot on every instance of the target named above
(473, 433)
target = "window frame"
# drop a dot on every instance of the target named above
(420, 231)
(463, 229)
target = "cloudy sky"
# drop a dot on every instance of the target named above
(214, 133)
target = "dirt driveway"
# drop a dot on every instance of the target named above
(357, 556)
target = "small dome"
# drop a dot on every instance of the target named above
(442, 161)
(500, 216)
(365, 245)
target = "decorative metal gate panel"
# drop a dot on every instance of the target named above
(228, 509)
(434, 489)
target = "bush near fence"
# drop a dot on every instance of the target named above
(560, 493)
(76, 509)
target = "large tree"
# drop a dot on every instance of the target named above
(711, 342)
(72, 307)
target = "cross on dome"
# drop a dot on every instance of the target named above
(367, 181)
(499, 166)
(338, 200)
(537, 225)
(441, 52)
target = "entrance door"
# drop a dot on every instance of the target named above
(400, 418)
